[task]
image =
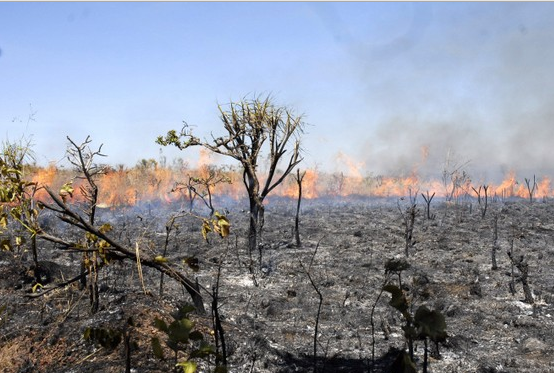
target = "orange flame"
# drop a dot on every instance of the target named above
(150, 182)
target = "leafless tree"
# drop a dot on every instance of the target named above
(428, 198)
(82, 157)
(454, 178)
(298, 178)
(408, 216)
(520, 262)
(495, 244)
(202, 186)
(482, 200)
(531, 188)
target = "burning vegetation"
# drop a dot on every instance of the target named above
(151, 181)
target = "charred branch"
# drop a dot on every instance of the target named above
(72, 218)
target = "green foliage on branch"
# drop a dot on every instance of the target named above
(424, 325)
(218, 224)
(17, 197)
(181, 140)
(182, 336)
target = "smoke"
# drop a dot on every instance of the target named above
(468, 82)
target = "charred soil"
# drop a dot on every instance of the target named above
(269, 314)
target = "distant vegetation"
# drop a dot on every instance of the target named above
(152, 181)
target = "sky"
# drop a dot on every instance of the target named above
(388, 88)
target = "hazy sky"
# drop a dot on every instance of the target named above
(390, 87)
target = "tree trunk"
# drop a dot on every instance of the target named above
(253, 230)
(495, 245)
(297, 218)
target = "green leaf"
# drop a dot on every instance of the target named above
(160, 259)
(19, 241)
(66, 190)
(204, 350)
(86, 334)
(3, 220)
(91, 237)
(403, 364)
(221, 225)
(398, 300)
(105, 228)
(179, 330)
(188, 366)
(183, 311)
(157, 348)
(161, 325)
(430, 324)
(206, 229)
(16, 212)
(6, 245)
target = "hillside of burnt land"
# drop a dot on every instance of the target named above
(270, 316)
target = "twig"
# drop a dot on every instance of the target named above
(319, 305)
(139, 267)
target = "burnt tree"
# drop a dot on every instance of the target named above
(298, 178)
(82, 158)
(482, 200)
(252, 127)
(531, 188)
(428, 200)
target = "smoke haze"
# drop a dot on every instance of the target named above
(465, 83)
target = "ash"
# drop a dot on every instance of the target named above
(269, 314)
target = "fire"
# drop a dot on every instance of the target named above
(393, 187)
(44, 176)
(151, 182)
(544, 188)
(509, 186)
(309, 186)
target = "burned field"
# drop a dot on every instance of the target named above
(269, 315)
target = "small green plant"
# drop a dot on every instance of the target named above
(425, 324)
(183, 336)
(17, 197)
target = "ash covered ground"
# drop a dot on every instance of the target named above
(269, 317)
